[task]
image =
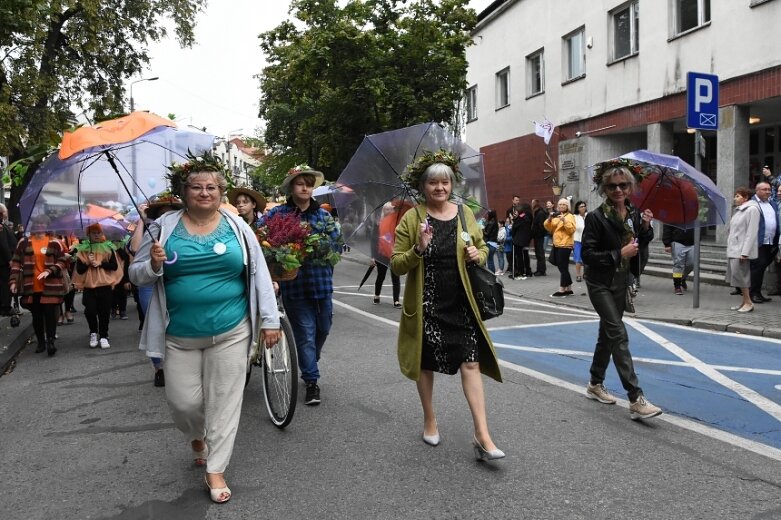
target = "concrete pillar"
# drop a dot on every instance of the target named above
(732, 156)
(660, 138)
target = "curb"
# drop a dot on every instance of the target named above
(14, 339)
(709, 323)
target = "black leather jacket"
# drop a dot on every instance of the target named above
(602, 243)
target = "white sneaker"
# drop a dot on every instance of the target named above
(93, 340)
(104, 343)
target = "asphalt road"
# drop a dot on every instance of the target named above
(86, 435)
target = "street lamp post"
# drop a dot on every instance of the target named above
(133, 155)
(132, 104)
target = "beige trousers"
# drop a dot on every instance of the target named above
(204, 384)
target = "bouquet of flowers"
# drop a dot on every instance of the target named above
(322, 248)
(283, 237)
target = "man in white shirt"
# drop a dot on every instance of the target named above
(767, 238)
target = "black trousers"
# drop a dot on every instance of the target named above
(382, 270)
(5, 292)
(758, 266)
(613, 340)
(562, 262)
(119, 298)
(539, 254)
(44, 319)
(97, 309)
(69, 301)
(522, 264)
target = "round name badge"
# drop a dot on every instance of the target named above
(43, 250)
(220, 248)
(630, 222)
(465, 236)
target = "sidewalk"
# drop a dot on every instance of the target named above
(655, 301)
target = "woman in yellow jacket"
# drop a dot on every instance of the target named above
(561, 224)
(440, 329)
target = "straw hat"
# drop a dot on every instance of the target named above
(260, 200)
(153, 210)
(301, 169)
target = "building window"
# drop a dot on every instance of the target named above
(535, 71)
(503, 88)
(471, 103)
(690, 14)
(626, 30)
(575, 58)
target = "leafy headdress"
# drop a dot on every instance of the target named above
(414, 172)
(206, 162)
(638, 170)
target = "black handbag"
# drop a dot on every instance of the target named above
(487, 289)
(552, 255)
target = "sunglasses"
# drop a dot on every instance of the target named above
(611, 186)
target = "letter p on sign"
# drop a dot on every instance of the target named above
(703, 93)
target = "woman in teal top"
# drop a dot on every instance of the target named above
(212, 293)
(205, 291)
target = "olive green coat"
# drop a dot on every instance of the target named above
(406, 261)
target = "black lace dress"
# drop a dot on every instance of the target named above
(450, 331)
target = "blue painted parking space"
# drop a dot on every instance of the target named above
(564, 351)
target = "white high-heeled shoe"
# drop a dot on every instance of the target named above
(483, 454)
(431, 440)
(218, 495)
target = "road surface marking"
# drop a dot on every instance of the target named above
(713, 433)
(729, 438)
(763, 403)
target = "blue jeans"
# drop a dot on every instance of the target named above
(311, 322)
(490, 263)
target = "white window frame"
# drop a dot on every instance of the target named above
(701, 12)
(531, 65)
(503, 88)
(568, 72)
(471, 103)
(634, 22)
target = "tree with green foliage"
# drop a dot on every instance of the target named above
(57, 57)
(365, 67)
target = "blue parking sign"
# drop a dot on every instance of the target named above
(702, 101)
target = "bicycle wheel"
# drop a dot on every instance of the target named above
(280, 377)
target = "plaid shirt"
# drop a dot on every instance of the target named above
(313, 282)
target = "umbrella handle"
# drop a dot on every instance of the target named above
(173, 260)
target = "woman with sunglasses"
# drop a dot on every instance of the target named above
(613, 236)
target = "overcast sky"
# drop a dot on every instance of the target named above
(213, 84)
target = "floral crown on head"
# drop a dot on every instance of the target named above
(299, 168)
(206, 162)
(639, 171)
(414, 172)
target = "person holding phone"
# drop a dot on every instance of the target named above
(561, 225)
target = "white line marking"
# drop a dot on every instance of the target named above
(763, 403)
(713, 332)
(652, 361)
(708, 431)
(367, 314)
(531, 325)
